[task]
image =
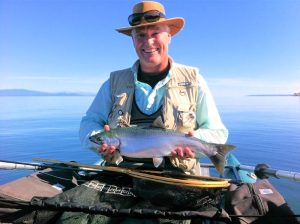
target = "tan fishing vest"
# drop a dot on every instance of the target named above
(179, 103)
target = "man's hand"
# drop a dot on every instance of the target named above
(184, 152)
(183, 158)
(109, 152)
(105, 148)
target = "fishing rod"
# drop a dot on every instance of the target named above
(263, 171)
(173, 178)
(15, 165)
(56, 164)
(156, 176)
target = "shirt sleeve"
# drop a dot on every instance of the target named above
(210, 126)
(96, 116)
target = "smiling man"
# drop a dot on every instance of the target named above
(154, 92)
(151, 45)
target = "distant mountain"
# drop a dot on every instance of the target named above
(26, 92)
(271, 95)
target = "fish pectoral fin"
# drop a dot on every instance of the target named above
(117, 158)
(157, 161)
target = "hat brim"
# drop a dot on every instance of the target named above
(175, 24)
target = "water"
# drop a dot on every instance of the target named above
(264, 129)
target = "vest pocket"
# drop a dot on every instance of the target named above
(186, 118)
(117, 116)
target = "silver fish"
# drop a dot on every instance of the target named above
(136, 142)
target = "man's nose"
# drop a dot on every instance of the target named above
(148, 39)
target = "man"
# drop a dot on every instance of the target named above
(155, 91)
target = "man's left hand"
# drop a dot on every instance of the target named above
(183, 158)
(184, 152)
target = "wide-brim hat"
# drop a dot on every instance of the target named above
(175, 24)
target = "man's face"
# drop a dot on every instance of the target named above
(151, 45)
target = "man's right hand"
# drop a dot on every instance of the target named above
(105, 148)
(109, 152)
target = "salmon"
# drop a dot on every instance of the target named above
(137, 142)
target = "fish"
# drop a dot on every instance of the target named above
(140, 142)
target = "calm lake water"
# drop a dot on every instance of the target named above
(264, 129)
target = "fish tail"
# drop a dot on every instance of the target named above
(219, 159)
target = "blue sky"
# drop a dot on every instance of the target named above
(240, 46)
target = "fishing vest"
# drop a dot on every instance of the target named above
(179, 103)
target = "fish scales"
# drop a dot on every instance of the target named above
(154, 143)
(149, 143)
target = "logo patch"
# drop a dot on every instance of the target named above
(110, 189)
(266, 191)
(184, 84)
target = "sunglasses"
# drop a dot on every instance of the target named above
(150, 16)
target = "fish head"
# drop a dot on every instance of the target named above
(108, 137)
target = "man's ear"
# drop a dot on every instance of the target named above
(132, 33)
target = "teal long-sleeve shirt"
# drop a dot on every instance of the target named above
(149, 100)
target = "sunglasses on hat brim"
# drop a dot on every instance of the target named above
(150, 16)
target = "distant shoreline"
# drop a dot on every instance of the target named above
(25, 92)
(43, 95)
(272, 95)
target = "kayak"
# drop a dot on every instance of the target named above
(59, 192)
